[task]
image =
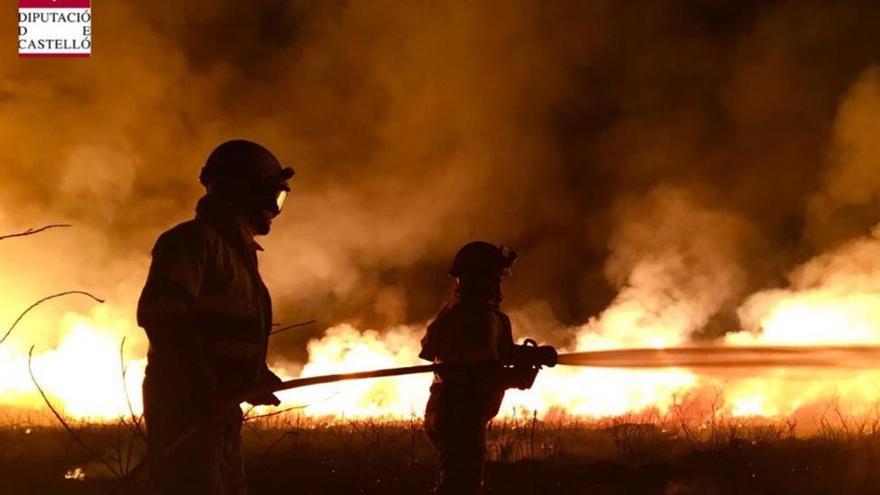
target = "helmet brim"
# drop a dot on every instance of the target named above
(281, 178)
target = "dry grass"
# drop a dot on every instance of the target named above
(646, 453)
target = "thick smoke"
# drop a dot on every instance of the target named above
(832, 297)
(675, 263)
(677, 154)
(848, 202)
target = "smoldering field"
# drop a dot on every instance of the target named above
(670, 173)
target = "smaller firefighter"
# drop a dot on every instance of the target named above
(472, 339)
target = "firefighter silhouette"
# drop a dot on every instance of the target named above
(207, 315)
(471, 337)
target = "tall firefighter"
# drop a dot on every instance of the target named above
(472, 340)
(207, 315)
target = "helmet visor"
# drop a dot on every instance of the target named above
(280, 196)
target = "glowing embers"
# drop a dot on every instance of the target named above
(75, 474)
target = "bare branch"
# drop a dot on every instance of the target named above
(63, 422)
(41, 301)
(33, 231)
(136, 431)
(275, 413)
(272, 446)
(135, 419)
(291, 327)
(247, 413)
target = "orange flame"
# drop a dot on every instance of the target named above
(826, 304)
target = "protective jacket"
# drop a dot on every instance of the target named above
(472, 339)
(205, 309)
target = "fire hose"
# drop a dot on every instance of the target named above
(696, 357)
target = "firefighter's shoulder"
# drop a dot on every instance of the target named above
(188, 235)
(471, 315)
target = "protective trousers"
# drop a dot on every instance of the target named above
(207, 463)
(459, 436)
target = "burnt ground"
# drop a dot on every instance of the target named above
(528, 457)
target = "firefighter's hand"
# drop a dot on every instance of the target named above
(521, 377)
(267, 379)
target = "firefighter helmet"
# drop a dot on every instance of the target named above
(251, 166)
(480, 258)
